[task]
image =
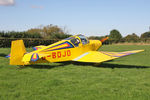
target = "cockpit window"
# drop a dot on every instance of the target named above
(75, 41)
(83, 39)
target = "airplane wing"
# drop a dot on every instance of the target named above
(97, 57)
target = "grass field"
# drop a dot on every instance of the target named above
(126, 78)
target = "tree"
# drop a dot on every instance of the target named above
(145, 36)
(96, 37)
(2, 33)
(132, 38)
(115, 36)
(34, 31)
(59, 36)
(50, 30)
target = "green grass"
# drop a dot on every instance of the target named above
(126, 78)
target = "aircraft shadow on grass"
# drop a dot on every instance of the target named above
(2, 55)
(44, 66)
(101, 65)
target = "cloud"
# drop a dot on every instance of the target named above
(37, 7)
(7, 2)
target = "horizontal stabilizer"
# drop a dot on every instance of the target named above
(8, 56)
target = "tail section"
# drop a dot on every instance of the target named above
(17, 52)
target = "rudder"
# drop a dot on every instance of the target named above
(17, 52)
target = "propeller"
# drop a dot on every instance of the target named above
(104, 39)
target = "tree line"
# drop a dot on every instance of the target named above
(54, 32)
(116, 37)
(44, 32)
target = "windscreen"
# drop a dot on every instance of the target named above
(84, 40)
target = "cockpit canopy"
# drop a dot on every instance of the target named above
(76, 40)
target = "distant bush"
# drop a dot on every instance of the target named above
(145, 37)
(28, 42)
(59, 36)
(14, 34)
(96, 37)
(132, 38)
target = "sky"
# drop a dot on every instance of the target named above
(88, 17)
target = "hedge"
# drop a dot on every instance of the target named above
(6, 42)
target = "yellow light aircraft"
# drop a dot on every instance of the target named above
(75, 48)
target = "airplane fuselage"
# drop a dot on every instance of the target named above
(66, 50)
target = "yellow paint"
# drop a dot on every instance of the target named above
(34, 56)
(97, 57)
(93, 56)
(84, 52)
(17, 52)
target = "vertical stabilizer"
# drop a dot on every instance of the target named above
(17, 52)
